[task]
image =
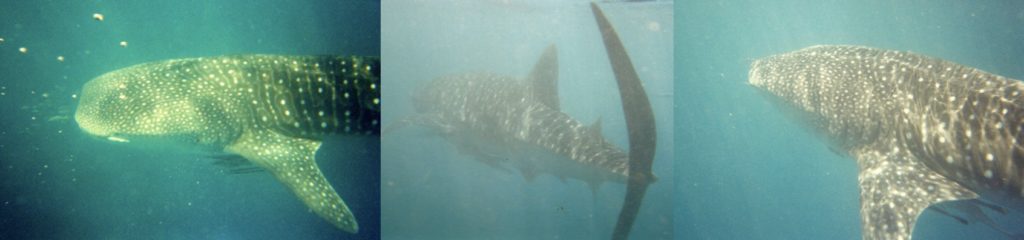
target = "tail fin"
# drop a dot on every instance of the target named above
(639, 123)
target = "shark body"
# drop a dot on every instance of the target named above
(272, 110)
(922, 130)
(510, 122)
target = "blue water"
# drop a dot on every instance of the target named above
(745, 171)
(430, 191)
(56, 183)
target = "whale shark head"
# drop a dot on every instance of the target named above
(136, 106)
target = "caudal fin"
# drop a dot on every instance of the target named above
(639, 124)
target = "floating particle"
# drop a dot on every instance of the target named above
(654, 26)
(97, 16)
(1, 40)
(23, 50)
(124, 43)
(60, 58)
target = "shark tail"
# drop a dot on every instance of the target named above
(639, 123)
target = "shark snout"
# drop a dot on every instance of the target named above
(754, 76)
(90, 129)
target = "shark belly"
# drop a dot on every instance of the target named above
(923, 130)
(272, 110)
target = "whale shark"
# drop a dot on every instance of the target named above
(922, 130)
(271, 110)
(516, 123)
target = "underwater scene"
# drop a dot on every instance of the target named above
(504, 119)
(500, 119)
(848, 119)
(172, 149)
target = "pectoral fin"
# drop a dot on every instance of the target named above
(291, 161)
(895, 188)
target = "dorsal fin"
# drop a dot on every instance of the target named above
(595, 127)
(543, 79)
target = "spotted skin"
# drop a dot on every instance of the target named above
(512, 122)
(272, 110)
(923, 130)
